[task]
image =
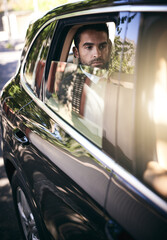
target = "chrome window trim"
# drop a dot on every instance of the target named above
(125, 8)
(95, 151)
(148, 8)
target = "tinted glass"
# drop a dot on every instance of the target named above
(78, 97)
(35, 62)
(125, 122)
(111, 94)
(151, 146)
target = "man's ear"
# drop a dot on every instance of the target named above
(75, 52)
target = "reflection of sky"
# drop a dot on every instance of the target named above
(122, 26)
(133, 26)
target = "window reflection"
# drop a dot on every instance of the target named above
(77, 95)
(155, 97)
(86, 96)
(125, 122)
(159, 101)
(36, 60)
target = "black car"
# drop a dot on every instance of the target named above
(87, 156)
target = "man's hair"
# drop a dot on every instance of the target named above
(101, 27)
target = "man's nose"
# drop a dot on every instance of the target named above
(97, 52)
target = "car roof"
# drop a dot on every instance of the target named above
(89, 4)
(94, 4)
(80, 6)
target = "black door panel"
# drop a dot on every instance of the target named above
(64, 177)
(134, 211)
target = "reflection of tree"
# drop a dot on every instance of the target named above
(42, 40)
(14, 97)
(131, 17)
(116, 55)
(39, 122)
(128, 55)
(121, 20)
(127, 58)
(33, 29)
(122, 55)
(36, 114)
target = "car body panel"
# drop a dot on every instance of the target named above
(50, 186)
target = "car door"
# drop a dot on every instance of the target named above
(93, 131)
(139, 208)
(63, 161)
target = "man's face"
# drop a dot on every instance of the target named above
(93, 49)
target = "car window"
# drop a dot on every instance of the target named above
(35, 61)
(152, 99)
(77, 92)
(109, 140)
(126, 96)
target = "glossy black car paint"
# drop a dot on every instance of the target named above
(73, 194)
(75, 213)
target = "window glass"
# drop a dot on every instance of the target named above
(152, 147)
(156, 171)
(78, 97)
(35, 62)
(82, 91)
(125, 122)
(111, 95)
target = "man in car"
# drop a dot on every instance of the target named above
(92, 45)
(92, 48)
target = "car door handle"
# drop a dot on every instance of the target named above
(20, 136)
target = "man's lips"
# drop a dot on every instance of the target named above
(97, 63)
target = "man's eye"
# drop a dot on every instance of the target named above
(89, 47)
(103, 46)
